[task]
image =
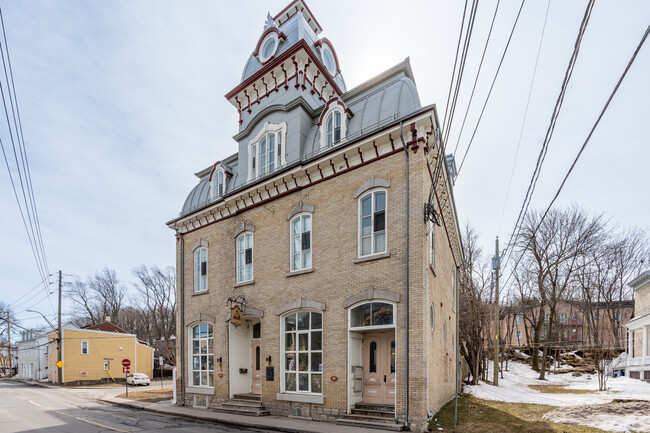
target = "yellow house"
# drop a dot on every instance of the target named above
(95, 354)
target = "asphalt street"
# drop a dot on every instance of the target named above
(30, 409)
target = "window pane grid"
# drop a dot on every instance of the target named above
(202, 355)
(301, 242)
(372, 225)
(303, 355)
(245, 257)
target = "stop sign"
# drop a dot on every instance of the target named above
(126, 363)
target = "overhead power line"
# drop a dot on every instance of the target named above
(584, 145)
(549, 132)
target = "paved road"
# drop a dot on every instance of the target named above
(32, 409)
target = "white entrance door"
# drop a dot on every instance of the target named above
(379, 368)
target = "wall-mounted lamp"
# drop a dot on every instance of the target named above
(268, 359)
(219, 360)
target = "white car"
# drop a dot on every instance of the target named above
(137, 379)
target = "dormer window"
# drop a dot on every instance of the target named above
(218, 184)
(333, 123)
(266, 152)
(333, 127)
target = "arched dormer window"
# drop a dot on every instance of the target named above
(333, 128)
(219, 179)
(266, 151)
(333, 123)
(218, 184)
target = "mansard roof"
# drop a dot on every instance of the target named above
(299, 26)
(375, 104)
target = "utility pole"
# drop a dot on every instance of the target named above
(496, 265)
(60, 342)
(11, 364)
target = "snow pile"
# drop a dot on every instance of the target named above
(514, 388)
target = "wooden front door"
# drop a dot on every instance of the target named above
(256, 364)
(379, 368)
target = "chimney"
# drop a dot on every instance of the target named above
(108, 319)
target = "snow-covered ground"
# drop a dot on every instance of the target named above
(513, 388)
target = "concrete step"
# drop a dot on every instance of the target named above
(248, 396)
(243, 403)
(370, 424)
(373, 412)
(379, 419)
(242, 410)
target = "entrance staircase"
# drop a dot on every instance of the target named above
(375, 416)
(243, 404)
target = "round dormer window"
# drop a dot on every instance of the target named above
(328, 59)
(269, 47)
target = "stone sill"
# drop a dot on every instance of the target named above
(204, 292)
(301, 398)
(199, 390)
(244, 283)
(372, 257)
(299, 272)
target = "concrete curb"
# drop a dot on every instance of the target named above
(205, 418)
(34, 383)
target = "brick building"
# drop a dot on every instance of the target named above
(317, 265)
(572, 330)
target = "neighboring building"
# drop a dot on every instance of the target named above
(638, 358)
(95, 355)
(33, 355)
(572, 330)
(5, 363)
(292, 253)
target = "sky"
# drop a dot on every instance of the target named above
(122, 102)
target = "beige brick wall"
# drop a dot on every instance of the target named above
(642, 300)
(335, 278)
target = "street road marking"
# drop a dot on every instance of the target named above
(81, 419)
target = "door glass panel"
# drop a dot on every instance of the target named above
(257, 330)
(373, 357)
(382, 314)
(257, 358)
(392, 356)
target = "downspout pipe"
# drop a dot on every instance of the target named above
(182, 327)
(406, 270)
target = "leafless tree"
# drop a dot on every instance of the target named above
(101, 295)
(157, 288)
(556, 245)
(474, 304)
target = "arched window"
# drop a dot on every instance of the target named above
(372, 223)
(333, 128)
(375, 314)
(218, 184)
(266, 150)
(245, 257)
(301, 242)
(202, 355)
(302, 352)
(200, 269)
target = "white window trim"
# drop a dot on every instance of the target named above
(372, 237)
(372, 327)
(214, 186)
(252, 257)
(260, 55)
(323, 127)
(323, 48)
(283, 389)
(311, 243)
(190, 353)
(431, 240)
(281, 130)
(87, 347)
(194, 270)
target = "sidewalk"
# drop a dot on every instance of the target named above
(277, 423)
